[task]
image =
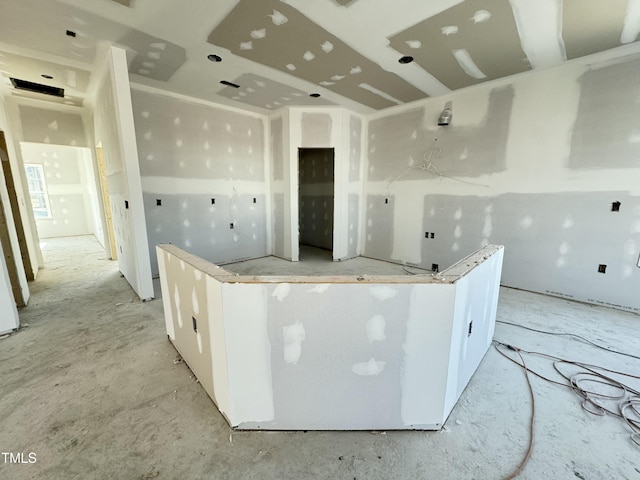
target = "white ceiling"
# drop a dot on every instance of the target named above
(280, 51)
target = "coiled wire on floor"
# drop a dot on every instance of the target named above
(601, 394)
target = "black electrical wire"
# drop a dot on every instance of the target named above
(610, 350)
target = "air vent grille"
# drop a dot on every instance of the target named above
(37, 87)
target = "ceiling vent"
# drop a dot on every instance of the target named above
(37, 88)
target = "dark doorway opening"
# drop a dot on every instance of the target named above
(316, 190)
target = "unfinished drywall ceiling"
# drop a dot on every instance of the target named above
(73, 34)
(263, 33)
(590, 26)
(152, 57)
(265, 93)
(347, 51)
(74, 80)
(470, 43)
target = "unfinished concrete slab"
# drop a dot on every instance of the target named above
(93, 387)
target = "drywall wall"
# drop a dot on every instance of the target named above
(113, 123)
(17, 246)
(331, 353)
(204, 181)
(279, 186)
(9, 319)
(341, 131)
(71, 189)
(315, 197)
(43, 125)
(535, 163)
(353, 142)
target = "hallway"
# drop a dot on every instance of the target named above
(93, 388)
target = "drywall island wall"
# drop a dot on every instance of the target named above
(331, 353)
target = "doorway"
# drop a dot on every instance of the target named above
(106, 201)
(15, 211)
(62, 187)
(316, 194)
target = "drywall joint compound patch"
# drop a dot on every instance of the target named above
(281, 291)
(293, 336)
(372, 367)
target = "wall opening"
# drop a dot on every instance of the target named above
(63, 191)
(316, 193)
(106, 201)
(15, 212)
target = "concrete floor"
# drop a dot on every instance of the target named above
(91, 387)
(316, 261)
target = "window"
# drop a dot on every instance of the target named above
(38, 191)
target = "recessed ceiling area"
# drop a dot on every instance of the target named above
(262, 92)
(470, 43)
(262, 32)
(346, 50)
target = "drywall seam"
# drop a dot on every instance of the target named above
(248, 353)
(340, 138)
(219, 355)
(364, 189)
(267, 162)
(541, 40)
(468, 65)
(198, 186)
(407, 236)
(162, 256)
(426, 352)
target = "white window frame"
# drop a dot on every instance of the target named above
(40, 212)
